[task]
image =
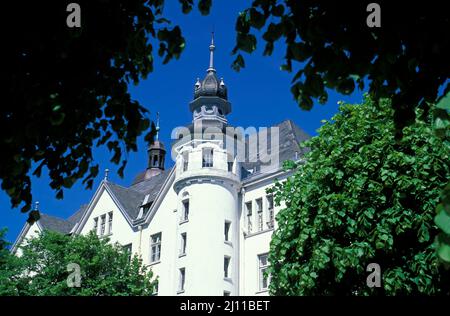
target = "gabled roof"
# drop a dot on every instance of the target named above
(129, 199)
(52, 223)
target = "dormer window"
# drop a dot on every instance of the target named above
(207, 157)
(146, 208)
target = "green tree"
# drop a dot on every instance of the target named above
(3, 247)
(42, 268)
(442, 129)
(330, 46)
(361, 197)
(406, 59)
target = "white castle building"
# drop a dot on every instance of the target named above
(204, 225)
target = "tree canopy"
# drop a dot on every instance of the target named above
(3, 248)
(66, 89)
(46, 262)
(330, 46)
(362, 197)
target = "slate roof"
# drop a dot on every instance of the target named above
(54, 223)
(290, 136)
(145, 185)
(131, 198)
(75, 218)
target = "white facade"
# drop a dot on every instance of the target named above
(211, 205)
(203, 227)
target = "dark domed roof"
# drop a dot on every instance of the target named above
(156, 145)
(210, 86)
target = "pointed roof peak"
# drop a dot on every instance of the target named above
(105, 178)
(157, 126)
(212, 47)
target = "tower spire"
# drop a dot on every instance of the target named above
(157, 126)
(211, 54)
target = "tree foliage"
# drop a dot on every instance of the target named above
(3, 248)
(405, 59)
(362, 197)
(42, 268)
(65, 90)
(442, 129)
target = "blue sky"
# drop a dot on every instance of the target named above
(260, 96)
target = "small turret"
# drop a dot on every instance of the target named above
(156, 155)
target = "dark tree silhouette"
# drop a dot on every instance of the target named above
(65, 90)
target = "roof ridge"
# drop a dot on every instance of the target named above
(53, 216)
(121, 186)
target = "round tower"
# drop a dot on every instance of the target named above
(207, 183)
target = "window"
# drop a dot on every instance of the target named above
(230, 166)
(248, 207)
(155, 292)
(226, 293)
(270, 222)
(128, 248)
(263, 278)
(95, 229)
(182, 280)
(227, 231)
(185, 162)
(226, 267)
(183, 244)
(207, 161)
(155, 247)
(209, 109)
(102, 225)
(270, 202)
(260, 214)
(185, 214)
(146, 208)
(110, 219)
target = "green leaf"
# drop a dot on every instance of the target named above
(442, 220)
(444, 102)
(238, 63)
